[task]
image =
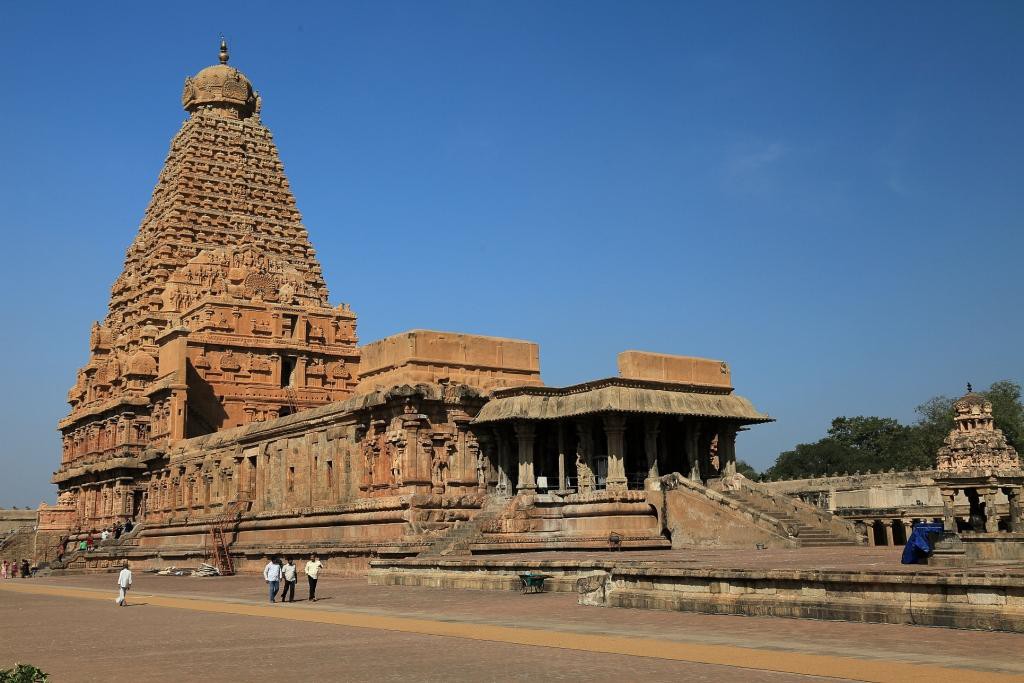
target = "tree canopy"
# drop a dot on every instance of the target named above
(863, 443)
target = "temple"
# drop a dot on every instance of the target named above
(229, 410)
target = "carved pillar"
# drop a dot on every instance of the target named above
(908, 528)
(299, 374)
(948, 510)
(504, 485)
(584, 456)
(488, 457)
(888, 532)
(651, 445)
(691, 438)
(705, 437)
(177, 414)
(869, 529)
(727, 449)
(561, 457)
(1016, 513)
(615, 429)
(526, 436)
(275, 369)
(991, 511)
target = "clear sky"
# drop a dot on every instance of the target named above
(827, 195)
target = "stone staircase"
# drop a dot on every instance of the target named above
(461, 534)
(19, 544)
(812, 528)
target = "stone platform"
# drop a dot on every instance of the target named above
(847, 584)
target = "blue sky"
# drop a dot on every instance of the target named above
(827, 195)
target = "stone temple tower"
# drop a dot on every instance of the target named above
(220, 316)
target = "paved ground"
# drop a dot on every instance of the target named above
(222, 629)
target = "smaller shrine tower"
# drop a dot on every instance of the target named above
(976, 459)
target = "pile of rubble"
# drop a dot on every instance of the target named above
(203, 570)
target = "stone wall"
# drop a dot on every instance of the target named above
(13, 518)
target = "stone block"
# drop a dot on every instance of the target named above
(426, 356)
(661, 367)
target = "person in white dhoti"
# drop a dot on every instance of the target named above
(124, 582)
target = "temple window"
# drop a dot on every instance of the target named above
(290, 326)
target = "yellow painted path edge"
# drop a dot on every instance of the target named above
(872, 671)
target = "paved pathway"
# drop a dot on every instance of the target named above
(218, 629)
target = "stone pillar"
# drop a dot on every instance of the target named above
(691, 436)
(948, 510)
(299, 373)
(869, 527)
(489, 458)
(651, 424)
(888, 532)
(991, 511)
(727, 449)
(275, 369)
(705, 437)
(615, 430)
(584, 455)
(177, 414)
(908, 528)
(1016, 513)
(561, 457)
(526, 436)
(504, 485)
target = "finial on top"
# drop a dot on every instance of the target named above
(223, 50)
(969, 388)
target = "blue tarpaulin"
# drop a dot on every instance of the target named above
(919, 546)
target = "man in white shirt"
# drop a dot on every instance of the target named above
(313, 568)
(272, 575)
(288, 576)
(124, 582)
(104, 535)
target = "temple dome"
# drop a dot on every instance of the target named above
(221, 89)
(141, 363)
(969, 400)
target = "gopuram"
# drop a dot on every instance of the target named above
(229, 410)
(976, 460)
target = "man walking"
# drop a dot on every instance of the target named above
(288, 575)
(313, 568)
(272, 575)
(124, 582)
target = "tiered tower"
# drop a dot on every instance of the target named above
(220, 315)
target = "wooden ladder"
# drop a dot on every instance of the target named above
(221, 556)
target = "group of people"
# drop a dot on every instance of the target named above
(12, 570)
(108, 533)
(281, 577)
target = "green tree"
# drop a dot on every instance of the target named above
(935, 420)
(826, 456)
(1007, 410)
(744, 468)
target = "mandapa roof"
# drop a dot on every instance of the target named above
(618, 395)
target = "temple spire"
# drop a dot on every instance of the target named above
(223, 50)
